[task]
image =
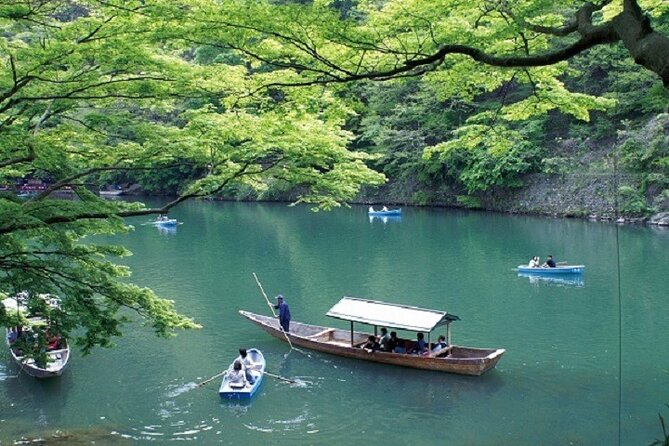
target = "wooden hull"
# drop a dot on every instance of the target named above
(245, 393)
(461, 360)
(55, 367)
(566, 269)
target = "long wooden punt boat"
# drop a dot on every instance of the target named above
(340, 342)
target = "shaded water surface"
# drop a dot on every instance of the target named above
(559, 383)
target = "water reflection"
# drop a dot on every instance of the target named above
(575, 280)
(385, 218)
(166, 229)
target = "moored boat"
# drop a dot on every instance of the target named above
(111, 193)
(559, 269)
(56, 353)
(229, 390)
(348, 343)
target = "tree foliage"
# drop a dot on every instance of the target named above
(92, 91)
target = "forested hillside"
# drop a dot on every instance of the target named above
(517, 140)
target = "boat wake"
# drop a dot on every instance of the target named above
(181, 389)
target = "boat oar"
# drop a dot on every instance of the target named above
(288, 380)
(299, 382)
(212, 378)
(271, 307)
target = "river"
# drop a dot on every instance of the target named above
(586, 360)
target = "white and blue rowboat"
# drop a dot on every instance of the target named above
(560, 269)
(166, 223)
(388, 213)
(228, 391)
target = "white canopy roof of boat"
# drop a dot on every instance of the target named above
(12, 304)
(385, 314)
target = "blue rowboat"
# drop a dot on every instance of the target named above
(560, 269)
(166, 223)
(555, 279)
(228, 391)
(388, 213)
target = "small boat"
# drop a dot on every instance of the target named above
(58, 349)
(555, 279)
(247, 392)
(384, 213)
(348, 343)
(111, 193)
(165, 222)
(559, 269)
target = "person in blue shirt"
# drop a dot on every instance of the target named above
(550, 263)
(284, 313)
(420, 346)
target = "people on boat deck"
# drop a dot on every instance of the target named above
(393, 342)
(53, 342)
(372, 344)
(385, 337)
(550, 263)
(248, 365)
(284, 313)
(236, 376)
(384, 209)
(440, 345)
(419, 346)
(371, 209)
(162, 217)
(12, 336)
(534, 262)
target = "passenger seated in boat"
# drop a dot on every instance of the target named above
(12, 336)
(236, 376)
(420, 346)
(440, 345)
(550, 263)
(393, 343)
(383, 342)
(54, 343)
(534, 262)
(371, 209)
(371, 345)
(248, 365)
(384, 209)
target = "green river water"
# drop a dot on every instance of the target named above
(586, 360)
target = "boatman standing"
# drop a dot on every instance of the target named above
(284, 313)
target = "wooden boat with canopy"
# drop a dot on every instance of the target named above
(56, 351)
(348, 343)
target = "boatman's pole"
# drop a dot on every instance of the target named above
(271, 307)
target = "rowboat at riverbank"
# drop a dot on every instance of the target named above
(229, 390)
(56, 350)
(348, 343)
(559, 269)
